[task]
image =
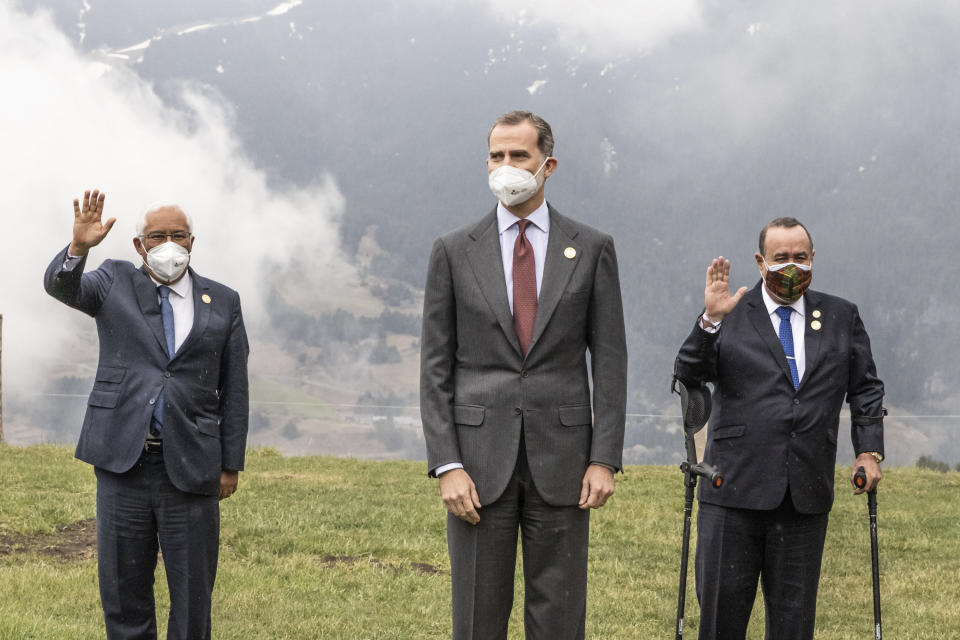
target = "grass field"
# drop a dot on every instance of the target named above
(335, 548)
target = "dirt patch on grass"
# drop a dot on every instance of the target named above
(73, 541)
(421, 567)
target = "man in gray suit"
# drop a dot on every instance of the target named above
(512, 305)
(166, 422)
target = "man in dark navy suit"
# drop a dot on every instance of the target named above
(782, 360)
(166, 422)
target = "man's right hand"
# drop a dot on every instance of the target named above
(88, 230)
(460, 495)
(717, 301)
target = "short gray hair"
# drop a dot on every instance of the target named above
(156, 206)
(544, 132)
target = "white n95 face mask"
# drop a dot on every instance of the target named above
(168, 261)
(514, 186)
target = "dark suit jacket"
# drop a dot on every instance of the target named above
(764, 435)
(204, 384)
(477, 390)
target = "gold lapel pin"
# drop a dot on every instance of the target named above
(816, 313)
(569, 253)
(815, 325)
(205, 298)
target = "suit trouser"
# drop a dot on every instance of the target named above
(781, 547)
(139, 512)
(483, 559)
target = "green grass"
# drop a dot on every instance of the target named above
(333, 548)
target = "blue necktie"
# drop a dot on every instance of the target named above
(786, 339)
(166, 312)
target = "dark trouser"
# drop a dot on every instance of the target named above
(483, 559)
(138, 512)
(735, 547)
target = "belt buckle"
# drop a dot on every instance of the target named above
(153, 446)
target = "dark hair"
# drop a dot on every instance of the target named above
(544, 132)
(786, 223)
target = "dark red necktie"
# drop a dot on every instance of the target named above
(524, 288)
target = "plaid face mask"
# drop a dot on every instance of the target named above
(788, 281)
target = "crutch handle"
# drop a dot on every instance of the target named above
(860, 478)
(708, 471)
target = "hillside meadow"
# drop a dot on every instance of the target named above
(320, 547)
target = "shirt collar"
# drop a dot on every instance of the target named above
(182, 287)
(540, 218)
(772, 305)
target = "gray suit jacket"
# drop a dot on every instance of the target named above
(204, 384)
(476, 389)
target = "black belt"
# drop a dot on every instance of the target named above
(153, 446)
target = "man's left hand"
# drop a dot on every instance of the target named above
(228, 483)
(597, 487)
(871, 467)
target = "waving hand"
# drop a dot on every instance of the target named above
(88, 230)
(717, 300)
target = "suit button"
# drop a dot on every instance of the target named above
(793, 434)
(166, 374)
(518, 411)
(153, 400)
(524, 374)
(796, 401)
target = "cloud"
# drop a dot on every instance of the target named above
(73, 121)
(601, 29)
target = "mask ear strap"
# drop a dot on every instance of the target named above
(543, 165)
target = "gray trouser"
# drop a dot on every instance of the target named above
(554, 543)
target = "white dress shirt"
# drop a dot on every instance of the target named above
(538, 232)
(181, 301)
(797, 326)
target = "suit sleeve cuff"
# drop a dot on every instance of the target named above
(612, 468)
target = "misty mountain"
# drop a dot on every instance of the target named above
(681, 147)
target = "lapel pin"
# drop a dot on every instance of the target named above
(816, 313)
(815, 325)
(569, 253)
(205, 298)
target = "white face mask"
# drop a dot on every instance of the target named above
(514, 186)
(783, 265)
(168, 261)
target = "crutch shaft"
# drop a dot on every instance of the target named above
(685, 555)
(875, 563)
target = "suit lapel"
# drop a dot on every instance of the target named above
(811, 337)
(150, 306)
(201, 312)
(487, 264)
(557, 270)
(761, 322)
